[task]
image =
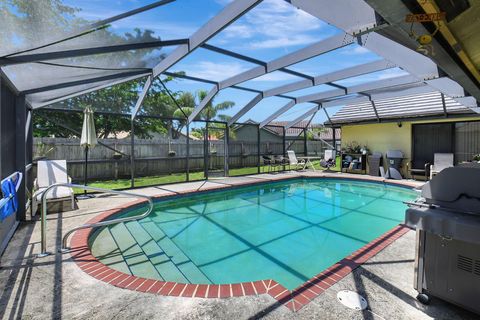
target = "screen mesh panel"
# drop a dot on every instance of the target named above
(243, 149)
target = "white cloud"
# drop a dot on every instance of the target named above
(283, 42)
(357, 50)
(275, 24)
(218, 71)
(275, 76)
(239, 31)
(164, 29)
(214, 71)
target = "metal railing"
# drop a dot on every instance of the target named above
(64, 247)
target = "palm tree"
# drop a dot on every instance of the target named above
(189, 101)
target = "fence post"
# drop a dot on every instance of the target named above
(188, 153)
(258, 148)
(132, 154)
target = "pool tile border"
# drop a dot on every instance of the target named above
(294, 299)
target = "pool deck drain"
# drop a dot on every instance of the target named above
(294, 299)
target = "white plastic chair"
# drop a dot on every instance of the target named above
(329, 155)
(292, 160)
(50, 172)
(440, 161)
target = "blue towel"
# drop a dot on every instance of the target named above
(8, 188)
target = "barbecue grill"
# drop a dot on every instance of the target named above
(447, 220)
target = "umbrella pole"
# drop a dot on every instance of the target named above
(85, 171)
(85, 195)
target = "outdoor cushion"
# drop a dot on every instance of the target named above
(54, 193)
(51, 172)
(442, 161)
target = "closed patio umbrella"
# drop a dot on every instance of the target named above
(89, 138)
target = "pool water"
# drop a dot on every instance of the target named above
(287, 231)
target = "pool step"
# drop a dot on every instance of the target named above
(111, 255)
(137, 261)
(177, 257)
(157, 256)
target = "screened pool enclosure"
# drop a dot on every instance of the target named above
(131, 66)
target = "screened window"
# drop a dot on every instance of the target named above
(467, 140)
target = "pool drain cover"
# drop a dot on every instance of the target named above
(352, 300)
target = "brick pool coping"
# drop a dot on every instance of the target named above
(294, 300)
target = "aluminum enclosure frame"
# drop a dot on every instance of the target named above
(362, 31)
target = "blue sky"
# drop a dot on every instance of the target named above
(270, 30)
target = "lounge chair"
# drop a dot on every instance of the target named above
(51, 172)
(440, 161)
(293, 161)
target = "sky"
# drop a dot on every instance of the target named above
(268, 31)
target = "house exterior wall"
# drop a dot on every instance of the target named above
(249, 133)
(382, 137)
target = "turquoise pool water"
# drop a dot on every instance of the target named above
(287, 231)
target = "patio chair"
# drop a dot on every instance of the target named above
(267, 162)
(440, 161)
(419, 168)
(51, 172)
(374, 163)
(279, 161)
(328, 160)
(293, 161)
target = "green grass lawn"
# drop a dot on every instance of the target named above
(181, 177)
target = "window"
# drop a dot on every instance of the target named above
(467, 140)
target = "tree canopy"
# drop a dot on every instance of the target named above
(107, 104)
(41, 22)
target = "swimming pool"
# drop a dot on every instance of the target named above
(288, 231)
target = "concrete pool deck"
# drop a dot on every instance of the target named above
(55, 287)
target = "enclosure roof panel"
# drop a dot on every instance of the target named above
(406, 107)
(302, 51)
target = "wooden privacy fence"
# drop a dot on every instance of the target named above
(159, 156)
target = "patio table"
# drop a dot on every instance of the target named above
(308, 162)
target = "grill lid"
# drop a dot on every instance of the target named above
(455, 188)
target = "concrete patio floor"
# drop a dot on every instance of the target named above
(55, 287)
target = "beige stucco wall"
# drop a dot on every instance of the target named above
(382, 137)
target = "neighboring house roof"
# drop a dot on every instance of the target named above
(277, 129)
(406, 107)
(272, 130)
(325, 134)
